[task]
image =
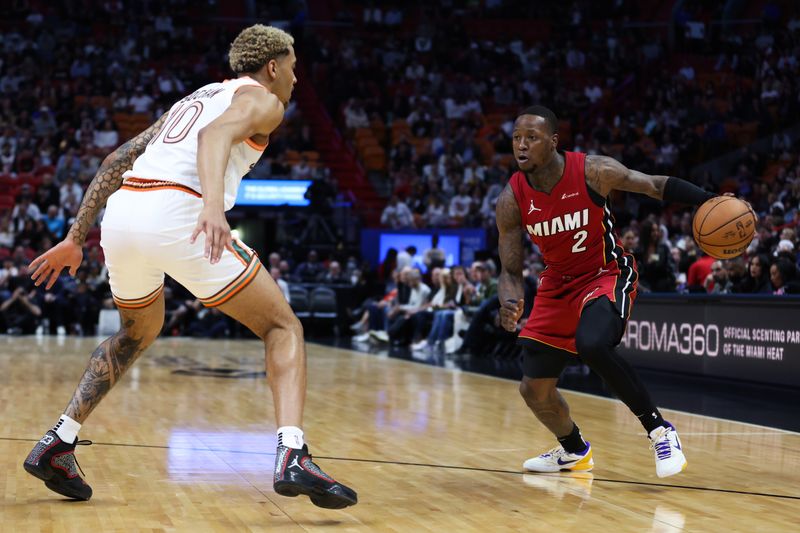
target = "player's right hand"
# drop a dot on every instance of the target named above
(213, 223)
(510, 313)
(67, 254)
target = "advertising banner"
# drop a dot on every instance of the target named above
(742, 338)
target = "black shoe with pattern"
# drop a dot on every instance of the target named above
(53, 461)
(296, 473)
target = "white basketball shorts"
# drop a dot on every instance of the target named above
(145, 233)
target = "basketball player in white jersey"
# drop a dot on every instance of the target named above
(163, 189)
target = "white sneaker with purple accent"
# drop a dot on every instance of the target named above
(666, 447)
(558, 460)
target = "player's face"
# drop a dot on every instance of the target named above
(285, 79)
(533, 142)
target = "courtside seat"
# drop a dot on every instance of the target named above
(323, 303)
(299, 303)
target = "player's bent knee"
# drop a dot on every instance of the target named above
(296, 327)
(589, 344)
(535, 394)
(291, 324)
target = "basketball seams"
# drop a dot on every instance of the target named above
(719, 200)
(714, 251)
(705, 234)
(706, 243)
(701, 235)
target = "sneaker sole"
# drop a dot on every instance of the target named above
(52, 481)
(683, 467)
(318, 496)
(584, 465)
(587, 468)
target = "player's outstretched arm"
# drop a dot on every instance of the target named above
(68, 253)
(606, 174)
(253, 111)
(108, 179)
(510, 288)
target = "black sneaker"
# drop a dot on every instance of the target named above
(295, 473)
(53, 461)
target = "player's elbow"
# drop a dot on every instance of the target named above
(511, 272)
(207, 133)
(213, 135)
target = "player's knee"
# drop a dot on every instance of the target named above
(138, 335)
(143, 331)
(535, 395)
(589, 343)
(296, 328)
(290, 324)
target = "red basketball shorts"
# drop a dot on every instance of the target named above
(560, 301)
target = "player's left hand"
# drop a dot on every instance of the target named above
(48, 266)
(510, 312)
(213, 223)
(731, 195)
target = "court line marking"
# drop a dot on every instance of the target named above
(750, 424)
(431, 465)
(458, 370)
(254, 486)
(748, 433)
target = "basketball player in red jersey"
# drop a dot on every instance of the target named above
(163, 189)
(560, 199)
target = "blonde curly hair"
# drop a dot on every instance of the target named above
(255, 46)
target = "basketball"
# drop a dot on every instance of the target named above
(724, 226)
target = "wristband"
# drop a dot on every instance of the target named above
(681, 191)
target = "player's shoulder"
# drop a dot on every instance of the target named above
(256, 92)
(602, 163)
(259, 102)
(508, 194)
(507, 208)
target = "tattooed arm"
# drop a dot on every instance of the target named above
(108, 179)
(68, 253)
(510, 287)
(605, 174)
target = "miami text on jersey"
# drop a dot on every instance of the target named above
(559, 224)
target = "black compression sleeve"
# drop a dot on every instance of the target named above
(681, 191)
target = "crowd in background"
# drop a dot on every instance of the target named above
(72, 89)
(447, 100)
(620, 90)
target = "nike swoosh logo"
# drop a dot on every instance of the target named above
(559, 461)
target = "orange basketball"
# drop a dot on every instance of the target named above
(724, 226)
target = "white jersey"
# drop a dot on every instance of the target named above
(172, 154)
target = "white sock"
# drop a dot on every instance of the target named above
(290, 436)
(67, 429)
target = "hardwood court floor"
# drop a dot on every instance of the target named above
(186, 443)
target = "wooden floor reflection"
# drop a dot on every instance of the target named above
(186, 443)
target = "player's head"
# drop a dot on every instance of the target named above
(267, 54)
(535, 138)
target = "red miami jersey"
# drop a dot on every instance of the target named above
(574, 230)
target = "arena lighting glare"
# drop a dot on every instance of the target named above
(237, 234)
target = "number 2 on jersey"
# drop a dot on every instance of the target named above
(579, 238)
(178, 125)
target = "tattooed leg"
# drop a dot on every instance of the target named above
(114, 356)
